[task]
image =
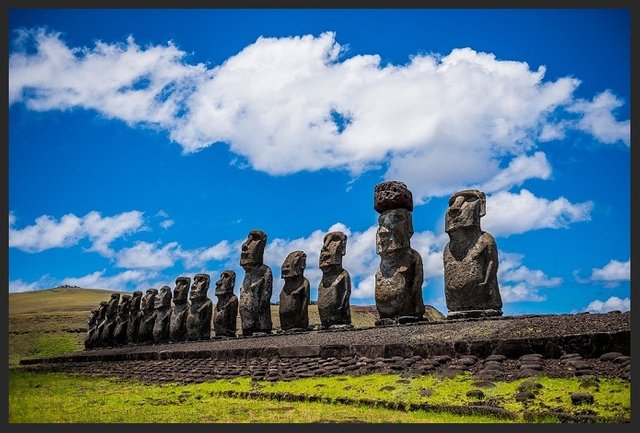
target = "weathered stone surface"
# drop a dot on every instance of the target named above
(295, 295)
(392, 195)
(334, 290)
(200, 311)
(179, 310)
(91, 328)
(470, 259)
(162, 323)
(581, 398)
(398, 281)
(145, 334)
(135, 317)
(610, 356)
(299, 351)
(109, 325)
(525, 395)
(122, 321)
(475, 393)
(257, 286)
(226, 311)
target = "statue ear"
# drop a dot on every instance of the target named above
(483, 204)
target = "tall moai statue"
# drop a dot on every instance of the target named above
(109, 326)
(135, 317)
(122, 321)
(162, 315)
(470, 259)
(145, 333)
(398, 281)
(200, 310)
(334, 290)
(91, 328)
(226, 311)
(296, 294)
(257, 286)
(96, 336)
(180, 309)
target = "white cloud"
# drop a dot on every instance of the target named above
(612, 274)
(519, 283)
(167, 223)
(612, 304)
(459, 117)
(127, 280)
(519, 169)
(597, 118)
(145, 255)
(69, 230)
(510, 213)
(22, 286)
(200, 256)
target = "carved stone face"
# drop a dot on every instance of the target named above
(253, 248)
(465, 210)
(181, 291)
(199, 287)
(136, 297)
(102, 309)
(225, 284)
(148, 300)
(394, 232)
(112, 308)
(163, 300)
(294, 264)
(124, 306)
(334, 247)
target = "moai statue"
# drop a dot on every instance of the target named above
(178, 325)
(163, 315)
(91, 328)
(470, 259)
(398, 281)
(110, 321)
(295, 295)
(201, 309)
(96, 336)
(224, 321)
(135, 318)
(257, 286)
(145, 333)
(122, 321)
(335, 287)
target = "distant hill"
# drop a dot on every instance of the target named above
(57, 299)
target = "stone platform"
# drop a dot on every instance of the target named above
(552, 336)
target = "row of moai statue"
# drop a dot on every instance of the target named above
(138, 318)
(470, 276)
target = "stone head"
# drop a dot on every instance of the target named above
(253, 249)
(465, 210)
(102, 309)
(136, 297)
(394, 231)
(163, 299)
(181, 290)
(199, 287)
(226, 282)
(333, 248)
(149, 300)
(112, 308)
(294, 264)
(124, 306)
(93, 318)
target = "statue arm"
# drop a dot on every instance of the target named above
(419, 275)
(345, 280)
(492, 259)
(267, 281)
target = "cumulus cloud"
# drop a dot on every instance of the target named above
(611, 275)
(612, 304)
(513, 213)
(167, 223)
(47, 232)
(519, 283)
(127, 280)
(460, 117)
(597, 118)
(519, 169)
(22, 286)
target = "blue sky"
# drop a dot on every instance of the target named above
(146, 144)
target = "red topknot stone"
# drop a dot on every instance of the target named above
(392, 194)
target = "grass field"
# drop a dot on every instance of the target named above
(53, 322)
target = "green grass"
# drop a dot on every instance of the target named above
(60, 398)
